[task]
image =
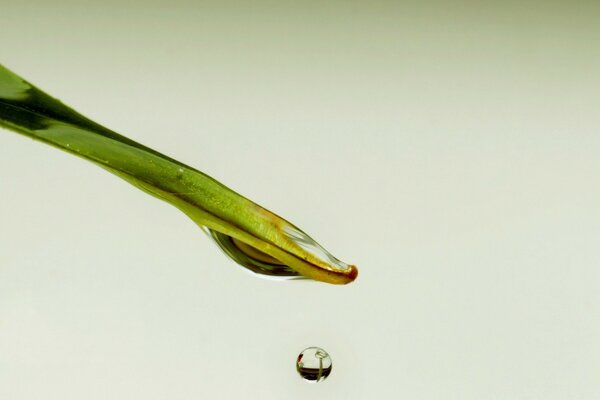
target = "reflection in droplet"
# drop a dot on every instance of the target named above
(314, 364)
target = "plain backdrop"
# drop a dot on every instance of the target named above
(450, 150)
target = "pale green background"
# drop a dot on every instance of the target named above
(450, 150)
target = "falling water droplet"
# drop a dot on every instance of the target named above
(314, 364)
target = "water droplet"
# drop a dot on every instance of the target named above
(314, 364)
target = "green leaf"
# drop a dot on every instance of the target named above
(249, 234)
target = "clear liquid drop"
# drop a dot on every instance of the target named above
(314, 364)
